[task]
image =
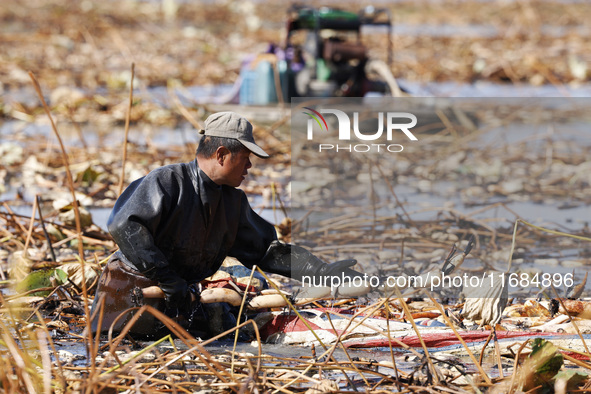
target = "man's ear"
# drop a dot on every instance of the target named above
(220, 154)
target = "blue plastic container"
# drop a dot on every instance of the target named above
(248, 86)
(265, 84)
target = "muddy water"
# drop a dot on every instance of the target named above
(563, 212)
(406, 362)
(489, 89)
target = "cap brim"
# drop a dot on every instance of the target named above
(254, 148)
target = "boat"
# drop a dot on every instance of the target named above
(323, 56)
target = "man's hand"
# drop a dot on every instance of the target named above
(296, 262)
(175, 288)
(337, 268)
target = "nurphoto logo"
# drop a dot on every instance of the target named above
(315, 116)
(348, 130)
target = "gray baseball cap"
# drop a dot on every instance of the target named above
(232, 125)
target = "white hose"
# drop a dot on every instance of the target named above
(382, 69)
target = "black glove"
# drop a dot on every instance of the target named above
(295, 262)
(175, 288)
(338, 267)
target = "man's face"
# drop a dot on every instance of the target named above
(236, 167)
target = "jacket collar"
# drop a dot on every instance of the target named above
(208, 191)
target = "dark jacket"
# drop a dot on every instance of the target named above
(176, 216)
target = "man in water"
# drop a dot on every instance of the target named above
(175, 226)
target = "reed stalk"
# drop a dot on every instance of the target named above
(127, 118)
(450, 325)
(66, 165)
